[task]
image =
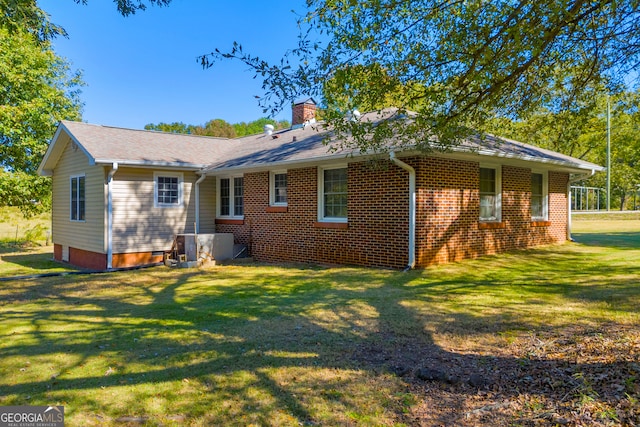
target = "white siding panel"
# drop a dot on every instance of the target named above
(208, 205)
(89, 234)
(139, 226)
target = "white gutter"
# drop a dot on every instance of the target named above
(112, 172)
(412, 208)
(286, 164)
(571, 181)
(456, 153)
(527, 158)
(151, 163)
(197, 227)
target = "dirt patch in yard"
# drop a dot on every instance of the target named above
(577, 376)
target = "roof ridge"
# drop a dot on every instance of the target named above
(149, 131)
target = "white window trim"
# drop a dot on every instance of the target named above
(180, 177)
(71, 207)
(545, 196)
(498, 169)
(231, 195)
(272, 188)
(321, 217)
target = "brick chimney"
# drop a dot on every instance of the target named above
(303, 110)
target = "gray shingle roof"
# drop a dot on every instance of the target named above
(494, 146)
(104, 144)
(281, 149)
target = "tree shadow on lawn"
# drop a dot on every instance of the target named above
(25, 260)
(627, 240)
(247, 346)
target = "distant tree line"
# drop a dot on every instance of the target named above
(219, 127)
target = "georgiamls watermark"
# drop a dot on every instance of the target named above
(31, 416)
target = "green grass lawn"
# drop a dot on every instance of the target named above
(24, 245)
(553, 331)
(619, 229)
(15, 229)
(28, 260)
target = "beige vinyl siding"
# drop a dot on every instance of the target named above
(139, 225)
(208, 205)
(88, 234)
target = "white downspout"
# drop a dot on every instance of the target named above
(112, 172)
(571, 181)
(412, 208)
(197, 227)
(569, 238)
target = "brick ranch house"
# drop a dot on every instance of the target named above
(120, 195)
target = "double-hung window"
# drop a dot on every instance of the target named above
(278, 188)
(167, 189)
(490, 197)
(332, 183)
(539, 196)
(77, 198)
(231, 197)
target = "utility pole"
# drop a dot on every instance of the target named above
(608, 155)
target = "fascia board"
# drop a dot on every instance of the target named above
(456, 152)
(286, 164)
(92, 160)
(473, 154)
(151, 164)
(532, 159)
(47, 155)
(54, 152)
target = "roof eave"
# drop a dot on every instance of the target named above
(577, 167)
(42, 169)
(152, 163)
(331, 158)
(53, 153)
(566, 166)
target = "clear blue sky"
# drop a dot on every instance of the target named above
(142, 69)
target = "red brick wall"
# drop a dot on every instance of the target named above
(57, 252)
(448, 209)
(87, 259)
(558, 212)
(97, 261)
(377, 232)
(135, 259)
